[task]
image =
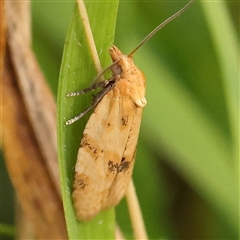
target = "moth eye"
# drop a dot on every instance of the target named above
(116, 69)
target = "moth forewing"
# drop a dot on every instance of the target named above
(107, 150)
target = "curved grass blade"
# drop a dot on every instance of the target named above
(224, 37)
(77, 72)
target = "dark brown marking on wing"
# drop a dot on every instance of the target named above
(122, 167)
(87, 143)
(124, 120)
(111, 167)
(81, 181)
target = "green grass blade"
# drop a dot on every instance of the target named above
(77, 72)
(224, 37)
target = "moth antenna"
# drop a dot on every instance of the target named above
(160, 26)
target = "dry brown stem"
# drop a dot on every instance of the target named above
(29, 128)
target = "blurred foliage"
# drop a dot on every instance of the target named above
(186, 169)
(6, 203)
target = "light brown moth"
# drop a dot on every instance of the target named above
(108, 148)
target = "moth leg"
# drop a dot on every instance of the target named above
(94, 103)
(91, 88)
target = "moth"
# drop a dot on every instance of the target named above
(108, 148)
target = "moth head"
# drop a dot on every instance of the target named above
(133, 80)
(123, 63)
(115, 54)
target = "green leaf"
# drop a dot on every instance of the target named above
(77, 72)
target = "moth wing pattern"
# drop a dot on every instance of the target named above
(119, 186)
(105, 160)
(107, 150)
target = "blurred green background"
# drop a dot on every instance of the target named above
(186, 171)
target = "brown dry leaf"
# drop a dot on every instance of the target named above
(29, 129)
(2, 37)
(24, 228)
